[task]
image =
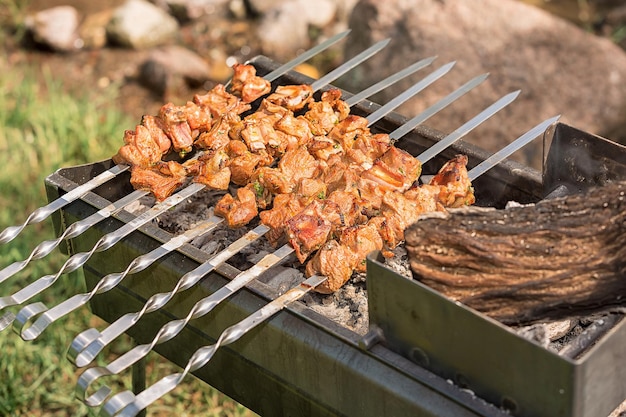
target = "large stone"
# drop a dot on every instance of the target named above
(56, 28)
(560, 68)
(284, 29)
(167, 68)
(139, 24)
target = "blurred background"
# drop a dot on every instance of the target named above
(71, 82)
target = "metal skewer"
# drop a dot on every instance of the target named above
(79, 259)
(49, 316)
(434, 109)
(467, 127)
(87, 345)
(407, 94)
(508, 150)
(42, 213)
(75, 229)
(172, 328)
(127, 404)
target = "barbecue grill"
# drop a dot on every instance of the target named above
(301, 362)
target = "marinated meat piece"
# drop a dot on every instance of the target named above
(323, 115)
(339, 175)
(334, 261)
(256, 133)
(309, 188)
(218, 137)
(274, 180)
(346, 131)
(156, 127)
(292, 97)
(402, 210)
(293, 166)
(427, 197)
(340, 107)
(211, 170)
(297, 164)
(177, 128)
(367, 148)
(198, 117)
(161, 180)
(247, 85)
(219, 102)
(361, 240)
(396, 170)
(263, 196)
(308, 230)
(237, 211)
(141, 148)
(295, 127)
(456, 187)
(269, 109)
(285, 206)
(244, 163)
(350, 207)
(324, 148)
(243, 167)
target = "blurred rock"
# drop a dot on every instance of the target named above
(284, 29)
(93, 29)
(261, 7)
(56, 28)
(171, 67)
(560, 68)
(139, 24)
(187, 10)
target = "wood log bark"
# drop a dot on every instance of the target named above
(554, 259)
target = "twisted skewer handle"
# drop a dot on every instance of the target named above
(90, 343)
(126, 404)
(75, 229)
(172, 328)
(44, 212)
(105, 242)
(110, 281)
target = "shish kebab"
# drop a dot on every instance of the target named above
(89, 343)
(143, 150)
(149, 142)
(85, 348)
(130, 404)
(30, 311)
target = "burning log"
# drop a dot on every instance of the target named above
(554, 259)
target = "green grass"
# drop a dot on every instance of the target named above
(43, 128)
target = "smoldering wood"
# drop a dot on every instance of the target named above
(558, 258)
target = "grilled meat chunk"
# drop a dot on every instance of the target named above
(237, 211)
(457, 190)
(177, 128)
(218, 136)
(338, 259)
(211, 170)
(142, 148)
(308, 230)
(161, 180)
(323, 115)
(220, 102)
(247, 85)
(335, 261)
(292, 97)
